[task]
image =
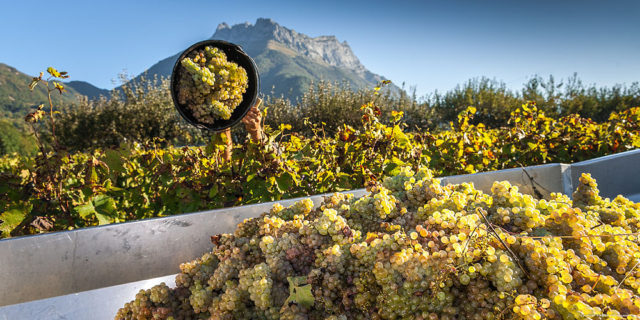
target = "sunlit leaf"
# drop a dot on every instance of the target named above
(400, 137)
(12, 218)
(59, 87)
(35, 81)
(101, 206)
(52, 71)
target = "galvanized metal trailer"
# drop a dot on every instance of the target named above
(90, 273)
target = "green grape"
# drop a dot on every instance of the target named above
(159, 302)
(412, 249)
(211, 86)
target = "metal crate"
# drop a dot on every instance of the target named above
(90, 273)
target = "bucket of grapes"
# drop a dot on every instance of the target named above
(214, 83)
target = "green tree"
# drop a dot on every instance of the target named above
(15, 139)
(140, 111)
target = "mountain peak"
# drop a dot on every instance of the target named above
(288, 61)
(324, 49)
(222, 26)
(266, 22)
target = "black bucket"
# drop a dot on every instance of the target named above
(234, 53)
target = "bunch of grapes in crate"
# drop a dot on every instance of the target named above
(414, 249)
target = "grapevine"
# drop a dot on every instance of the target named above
(139, 181)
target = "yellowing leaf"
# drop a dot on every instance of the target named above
(396, 115)
(400, 136)
(300, 292)
(59, 87)
(35, 81)
(52, 71)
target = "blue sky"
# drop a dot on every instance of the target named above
(427, 44)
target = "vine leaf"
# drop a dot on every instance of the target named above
(213, 191)
(52, 71)
(393, 166)
(12, 218)
(35, 81)
(59, 87)
(285, 182)
(114, 160)
(400, 137)
(300, 292)
(101, 206)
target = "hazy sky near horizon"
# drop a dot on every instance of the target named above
(432, 45)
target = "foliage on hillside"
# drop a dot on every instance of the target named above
(59, 191)
(16, 101)
(16, 98)
(14, 139)
(142, 109)
(335, 104)
(138, 112)
(556, 98)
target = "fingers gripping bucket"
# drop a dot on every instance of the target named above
(235, 54)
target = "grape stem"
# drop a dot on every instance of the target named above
(627, 275)
(533, 184)
(495, 234)
(586, 236)
(469, 239)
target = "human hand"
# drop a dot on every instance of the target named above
(253, 121)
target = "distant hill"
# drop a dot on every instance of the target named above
(87, 89)
(16, 99)
(288, 61)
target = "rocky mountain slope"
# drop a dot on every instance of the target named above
(288, 61)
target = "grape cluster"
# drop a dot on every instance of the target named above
(414, 249)
(210, 86)
(159, 302)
